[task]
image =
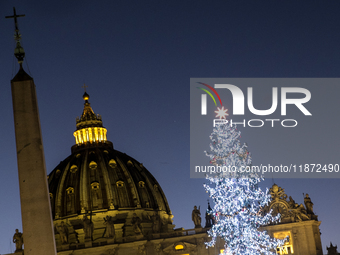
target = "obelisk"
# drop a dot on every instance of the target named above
(34, 196)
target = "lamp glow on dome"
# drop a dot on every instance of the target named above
(90, 135)
(90, 126)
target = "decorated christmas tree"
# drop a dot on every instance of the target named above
(238, 199)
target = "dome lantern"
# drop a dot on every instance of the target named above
(90, 128)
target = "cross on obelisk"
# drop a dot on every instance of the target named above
(36, 214)
(19, 50)
(15, 16)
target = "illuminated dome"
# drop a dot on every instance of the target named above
(96, 177)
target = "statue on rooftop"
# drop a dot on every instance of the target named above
(308, 204)
(18, 240)
(156, 224)
(109, 229)
(291, 202)
(63, 232)
(88, 227)
(277, 193)
(196, 217)
(298, 213)
(136, 223)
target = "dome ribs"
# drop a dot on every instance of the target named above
(106, 180)
(103, 179)
(84, 184)
(131, 191)
(60, 191)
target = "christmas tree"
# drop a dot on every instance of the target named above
(238, 214)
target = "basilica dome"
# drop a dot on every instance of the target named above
(96, 177)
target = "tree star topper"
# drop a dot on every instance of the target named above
(221, 113)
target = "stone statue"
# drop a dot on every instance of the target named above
(88, 227)
(142, 249)
(109, 229)
(156, 224)
(196, 217)
(308, 204)
(63, 232)
(277, 193)
(136, 222)
(298, 213)
(18, 239)
(295, 213)
(112, 207)
(291, 202)
(158, 248)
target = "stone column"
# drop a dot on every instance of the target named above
(34, 196)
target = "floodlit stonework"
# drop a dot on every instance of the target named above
(104, 202)
(130, 213)
(297, 221)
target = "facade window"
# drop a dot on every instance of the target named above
(70, 190)
(179, 247)
(95, 185)
(73, 169)
(287, 248)
(120, 184)
(112, 163)
(93, 165)
(70, 200)
(96, 195)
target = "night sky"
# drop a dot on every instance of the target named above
(137, 58)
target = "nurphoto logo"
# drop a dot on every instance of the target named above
(238, 99)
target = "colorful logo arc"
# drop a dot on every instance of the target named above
(208, 92)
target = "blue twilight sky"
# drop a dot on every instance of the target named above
(137, 57)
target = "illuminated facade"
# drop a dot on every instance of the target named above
(111, 204)
(298, 222)
(104, 202)
(101, 185)
(287, 248)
